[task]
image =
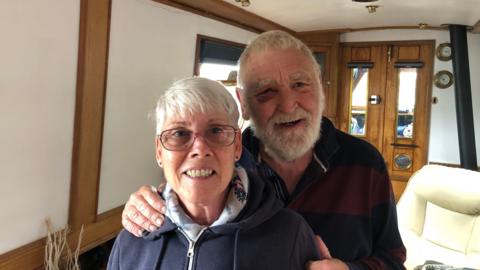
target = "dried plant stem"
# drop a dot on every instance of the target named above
(56, 242)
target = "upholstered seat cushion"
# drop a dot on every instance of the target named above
(438, 217)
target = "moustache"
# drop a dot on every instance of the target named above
(282, 118)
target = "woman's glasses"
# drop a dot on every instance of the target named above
(178, 139)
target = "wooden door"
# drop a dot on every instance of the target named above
(326, 57)
(385, 100)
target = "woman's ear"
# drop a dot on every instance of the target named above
(158, 151)
(243, 104)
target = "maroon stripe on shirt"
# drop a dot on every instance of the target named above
(355, 183)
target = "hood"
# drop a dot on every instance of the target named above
(261, 205)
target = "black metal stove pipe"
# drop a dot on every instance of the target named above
(463, 96)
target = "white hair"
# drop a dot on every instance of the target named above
(195, 95)
(273, 40)
(286, 146)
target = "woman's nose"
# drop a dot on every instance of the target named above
(200, 147)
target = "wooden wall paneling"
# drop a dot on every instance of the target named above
(391, 95)
(361, 54)
(476, 28)
(398, 188)
(89, 110)
(376, 86)
(227, 13)
(319, 37)
(31, 256)
(332, 101)
(344, 89)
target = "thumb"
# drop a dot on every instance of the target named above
(322, 248)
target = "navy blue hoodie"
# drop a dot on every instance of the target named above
(263, 236)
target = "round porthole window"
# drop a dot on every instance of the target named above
(402, 161)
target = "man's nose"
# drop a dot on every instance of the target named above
(288, 101)
(200, 147)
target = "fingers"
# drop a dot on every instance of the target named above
(322, 248)
(131, 227)
(327, 264)
(314, 265)
(144, 210)
(152, 197)
(146, 202)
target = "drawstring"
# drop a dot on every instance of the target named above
(319, 162)
(235, 250)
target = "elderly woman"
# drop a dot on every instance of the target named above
(218, 215)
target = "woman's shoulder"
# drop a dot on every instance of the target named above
(285, 222)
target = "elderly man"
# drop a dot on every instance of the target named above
(337, 182)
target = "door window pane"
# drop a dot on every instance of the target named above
(407, 85)
(358, 101)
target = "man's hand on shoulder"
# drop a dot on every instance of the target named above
(144, 211)
(327, 264)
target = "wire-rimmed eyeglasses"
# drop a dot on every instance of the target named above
(178, 139)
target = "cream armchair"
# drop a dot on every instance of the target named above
(438, 217)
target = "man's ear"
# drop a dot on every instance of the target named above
(158, 151)
(243, 103)
(238, 146)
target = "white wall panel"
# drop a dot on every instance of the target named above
(38, 58)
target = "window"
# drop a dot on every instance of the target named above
(216, 59)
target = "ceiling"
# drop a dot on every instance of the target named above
(312, 15)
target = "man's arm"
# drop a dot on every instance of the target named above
(144, 211)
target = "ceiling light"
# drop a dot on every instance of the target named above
(245, 3)
(372, 8)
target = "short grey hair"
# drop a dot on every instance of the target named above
(269, 40)
(193, 95)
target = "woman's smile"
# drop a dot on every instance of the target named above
(199, 173)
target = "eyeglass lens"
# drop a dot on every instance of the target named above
(181, 138)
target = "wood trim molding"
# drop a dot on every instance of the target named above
(400, 27)
(89, 110)
(476, 28)
(31, 256)
(393, 42)
(227, 13)
(313, 38)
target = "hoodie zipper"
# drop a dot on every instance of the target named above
(191, 246)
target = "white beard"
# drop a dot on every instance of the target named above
(292, 144)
